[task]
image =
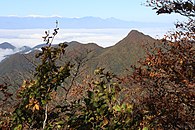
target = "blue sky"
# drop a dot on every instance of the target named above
(130, 10)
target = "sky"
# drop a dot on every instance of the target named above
(130, 10)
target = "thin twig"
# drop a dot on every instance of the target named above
(44, 123)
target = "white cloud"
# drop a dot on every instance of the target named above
(43, 16)
(5, 52)
(34, 16)
(103, 37)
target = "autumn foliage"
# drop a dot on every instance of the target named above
(167, 75)
(167, 78)
(159, 94)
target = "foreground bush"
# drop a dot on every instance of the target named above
(167, 74)
(102, 107)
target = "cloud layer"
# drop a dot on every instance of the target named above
(103, 37)
(5, 52)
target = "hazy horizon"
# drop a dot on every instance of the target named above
(24, 33)
(102, 37)
(126, 10)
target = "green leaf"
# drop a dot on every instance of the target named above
(123, 106)
(19, 127)
(145, 128)
(95, 104)
(87, 101)
(59, 126)
(90, 94)
(43, 102)
(59, 123)
(117, 108)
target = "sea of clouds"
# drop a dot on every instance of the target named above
(6, 52)
(102, 37)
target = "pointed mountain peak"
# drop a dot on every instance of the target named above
(135, 33)
(7, 45)
(135, 37)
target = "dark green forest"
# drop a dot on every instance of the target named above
(155, 92)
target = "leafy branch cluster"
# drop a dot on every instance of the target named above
(101, 108)
(183, 7)
(36, 94)
(167, 77)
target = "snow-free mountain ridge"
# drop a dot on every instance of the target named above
(14, 22)
(115, 59)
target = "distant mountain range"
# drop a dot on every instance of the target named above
(116, 58)
(14, 22)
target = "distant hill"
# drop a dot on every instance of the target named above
(24, 49)
(7, 45)
(115, 59)
(8, 49)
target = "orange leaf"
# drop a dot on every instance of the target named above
(36, 106)
(105, 122)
